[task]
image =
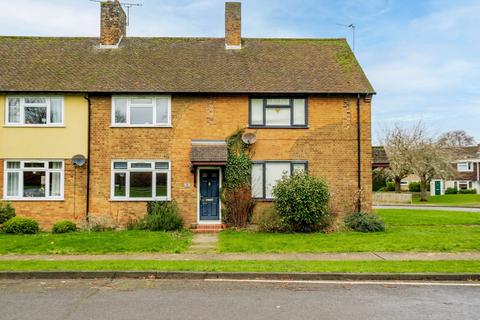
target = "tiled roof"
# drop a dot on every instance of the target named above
(379, 155)
(209, 153)
(186, 65)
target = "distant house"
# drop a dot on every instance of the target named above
(380, 161)
(467, 173)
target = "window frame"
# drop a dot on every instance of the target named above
(154, 124)
(129, 169)
(469, 166)
(266, 106)
(264, 176)
(21, 171)
(22, 111)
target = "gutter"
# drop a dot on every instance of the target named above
(87, 207)
(359, 158)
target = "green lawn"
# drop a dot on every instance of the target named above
(470, 200)
(458, 266)
(407, 230)
(95, 242)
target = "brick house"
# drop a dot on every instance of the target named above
(150, 117)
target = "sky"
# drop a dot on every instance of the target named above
(422, 57)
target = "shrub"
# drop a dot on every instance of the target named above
(7, 212)
(238, 206)
(467, 191)
(270, 221)
(379, 180)
(414, 186)
(64, 227)
(302, 202)
(451, 191)
(390, 186)
(19, 225)
(364, 222)
(164, 216)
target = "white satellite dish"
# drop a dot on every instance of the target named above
(249, 138)
(79, 160)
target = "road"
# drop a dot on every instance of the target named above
(172, 299)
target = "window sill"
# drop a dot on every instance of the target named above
(138, 200)
(263, 200)
(152, 127)
(277, 127)
(33, 126)
(33, 200)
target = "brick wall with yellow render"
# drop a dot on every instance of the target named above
(329, 145)
(72, 208)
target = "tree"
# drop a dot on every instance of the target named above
(397, 142)
(428, 158)
(456, 139)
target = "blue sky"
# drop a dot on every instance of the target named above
(422, 57)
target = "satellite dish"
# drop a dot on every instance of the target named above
(78, 160)
(249, 138)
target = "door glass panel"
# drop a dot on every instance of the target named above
(34, 184)
(275, 172)
(141, 185)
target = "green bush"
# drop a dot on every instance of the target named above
(467, 191)
(414, 186)
(19, 225)
(451, 191)
(364, 222)
(164, 216)
(302, 202)
(7, 212)
(390, 186)
(270, 221)
(379, 180)
(64, 227)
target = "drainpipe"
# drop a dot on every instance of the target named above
(359, 163)
(87, 213)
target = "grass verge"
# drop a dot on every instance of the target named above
(96, 242)
(458, 200)
(457, 266)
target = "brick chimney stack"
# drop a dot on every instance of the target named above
(233, 25)
(113, 24)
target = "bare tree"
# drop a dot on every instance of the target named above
(456, 139)
(428, 158)
(397, 143)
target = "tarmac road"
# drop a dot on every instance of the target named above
(173, 299)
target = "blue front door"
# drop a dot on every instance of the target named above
(209, 195)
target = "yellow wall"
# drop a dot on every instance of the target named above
(44, 143)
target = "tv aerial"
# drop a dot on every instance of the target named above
(353, 27)
(127, 5)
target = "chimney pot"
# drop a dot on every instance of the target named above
(113, 24)
(233, 25)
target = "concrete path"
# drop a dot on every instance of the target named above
(204, 243)
(427, 207)
(205, 255)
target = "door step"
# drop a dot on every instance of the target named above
(208, 228)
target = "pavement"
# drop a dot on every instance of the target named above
(224, 299)
(427, 207)
(204, 243)
(387, 256)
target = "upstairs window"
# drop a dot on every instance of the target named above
(33, 180)
(34, 111)
(141, 111)
(464, 167)
(266, 174)
(278, 112)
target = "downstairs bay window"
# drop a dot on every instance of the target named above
(140, 180)
(266, 174)
(33, 180)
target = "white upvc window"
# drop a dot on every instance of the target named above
(141, 180)
(464, 166)
(278, 112)
(266, 174)
(33, 180)
(141, 111)
(34, 111)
